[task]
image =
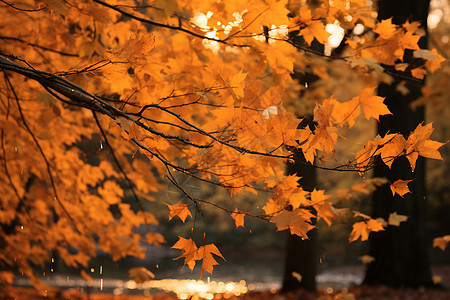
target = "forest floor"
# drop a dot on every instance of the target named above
(359, 292)
(354, 293)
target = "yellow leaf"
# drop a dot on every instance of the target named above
(395, 219)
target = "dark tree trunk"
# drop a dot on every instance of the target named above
(400, 253)
(301, 256)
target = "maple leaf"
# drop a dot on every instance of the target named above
(313, 28)
(363, 228)
(400, 187)
(296, 221)
(394, 148)
(395, 219)
(420, 144)
(205, 253)
(345, 112)
(386, 29)
(188, 251)
(238, 218)
(322, 206)
(372, 106)
(180, 210)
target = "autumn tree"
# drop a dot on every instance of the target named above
(400, 255)
(199, 88)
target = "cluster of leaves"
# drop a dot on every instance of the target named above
(198, 87)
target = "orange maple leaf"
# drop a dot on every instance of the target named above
(363, 228)
(322, 206)
(400, 187)
(372, 106)
(206, 253)
(238, 218)
(180, 210)
(394, 148)
(420, 144)
(386, 29)
(313, 29)
(188, 251)
(296, 221)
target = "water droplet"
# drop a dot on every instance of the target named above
(101, 144)
(101, 270)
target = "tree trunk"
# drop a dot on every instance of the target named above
(400, 253)
(301, 256)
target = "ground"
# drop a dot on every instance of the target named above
(355, 293)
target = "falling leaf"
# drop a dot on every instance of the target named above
(441, 242)
(366, 259)
(436, 279)
(297, 276)
(180, 210)
(363, 228)
(140, 274)
(395, 219)
(86, 276)
(400, 187)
